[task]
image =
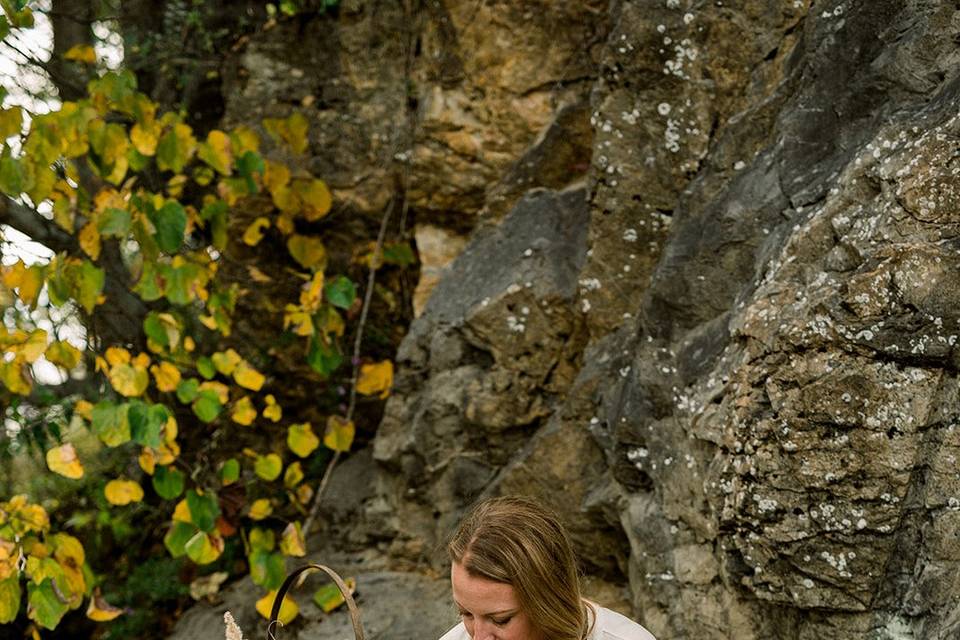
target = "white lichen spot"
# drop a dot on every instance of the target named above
(663, 108)
(515, 325)
(630, 235)
(739, 165)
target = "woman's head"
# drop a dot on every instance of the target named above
(512, 547)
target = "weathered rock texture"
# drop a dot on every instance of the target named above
(728, 356)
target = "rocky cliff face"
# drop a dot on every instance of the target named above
(709, 307)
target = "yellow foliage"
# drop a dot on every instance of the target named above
(84, 409)
(292, 544)
(181, 513)
(166, 375)
(226, 361)
(315, 196)
(339, 434)
(301, 439)
(260, 509)
(116, 355)
(64, 460)
(222, 390)
(123, 492)
(99, 610)
(288, 609)
(83, 53)
(254, 233)
(63, 354)
(272, 411)
(147, 461)
(293, 475)
(244, 412)
(376, 378)
(145, 136)
(248, 377)
(89, 240)
(308, 251)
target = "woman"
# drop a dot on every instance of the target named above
(514, 577)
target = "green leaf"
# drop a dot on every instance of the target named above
(86, 283)
(13, 178)
(399, 253)
(150, 286)
(215, 214)
(175, 148)
(248, 164)
(267, 569)
(177, 537)
(207, 406)
(9, 599)
(155, 329)
(203, 509)
(205, 367)
(230, 471)
(11, 122)
(110, 423)
(171, 223)
(323, 358)
(168, 482)
(340, 292)
(262, 539)
(146, 422)
(188, 390)
(114, 222)
(268, 467)
(44, 606)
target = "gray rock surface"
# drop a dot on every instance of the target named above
(394, 605)
(734, 368)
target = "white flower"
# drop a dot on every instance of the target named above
(233, 631)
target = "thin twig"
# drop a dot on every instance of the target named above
(355, 361)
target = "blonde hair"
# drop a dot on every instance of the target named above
(516, 541)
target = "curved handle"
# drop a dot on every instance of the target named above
(344, 589)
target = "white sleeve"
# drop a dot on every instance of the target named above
(459, 632)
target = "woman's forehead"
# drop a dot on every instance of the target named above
(480, 595)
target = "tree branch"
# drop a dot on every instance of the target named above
(30, 223)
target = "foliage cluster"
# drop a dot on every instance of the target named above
(143, 201)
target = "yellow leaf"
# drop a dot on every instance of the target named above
(244, 412)
(304, 493)
(315, 196)
(83, 53)
(145, 136)
(16, 377)
(69, 554)
(63, 354)
(89, 239)
(11, 122)
(308, 251)
(285, 223)
(248, 377)
(167, 453)
(189, 345)
(226, 361)
(147, 460)
(64, 460)
(117, 355)
(34, 346)
(204, 548)
(375, 378)
(301, 439)
(254, 233)
(100, 610)
(329, 596)
(293, 475)
(260, 509)
(84, 409)
(181, 513)
(209, 322)
(312, 293)
(122, 492)
(288, 609)
(339, 434)
(222, 390)
(170, 430)
(217, 152)
(128, 380)
(276, 176)
(300, 320)
(272, 411)
(142, 361)
(244, 139)
(291, 544)
(166, 375)
(258, 276)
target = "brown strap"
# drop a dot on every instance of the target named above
(344, 589)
